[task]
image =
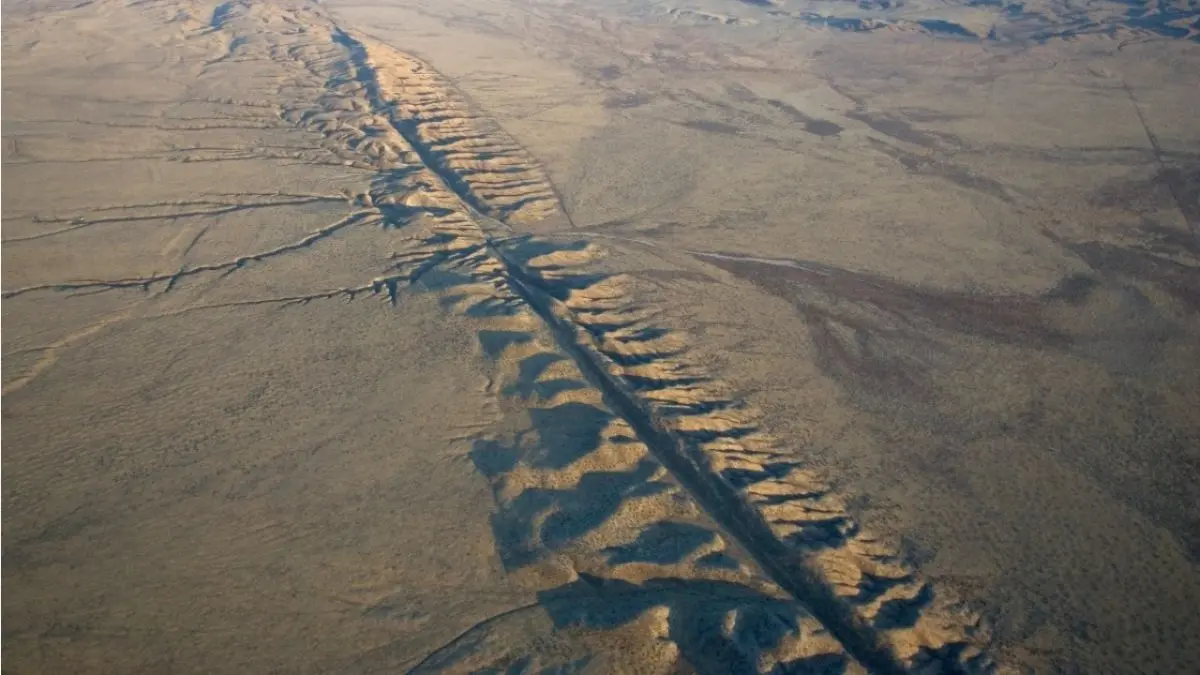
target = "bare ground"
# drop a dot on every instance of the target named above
(519, 337)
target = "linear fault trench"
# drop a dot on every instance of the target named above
(714, 495)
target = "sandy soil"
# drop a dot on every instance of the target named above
(641, 337)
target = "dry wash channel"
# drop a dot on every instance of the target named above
(661, 527)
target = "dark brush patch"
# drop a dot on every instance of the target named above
(1179, 280)
(902, 131)
(940, 168)
(813, 125)
(883, 334)
(610, 72)
(1073, 289)
(626, 100)
(1168, 240)
(741, 93)
(1168, 186)
(1184, 185)
(712, 127)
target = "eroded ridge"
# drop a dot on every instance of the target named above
(394, 109)
(779, 508)
(586, 511)
(486, 166)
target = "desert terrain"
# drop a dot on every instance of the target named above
(638, 336)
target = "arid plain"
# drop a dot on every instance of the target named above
(636, 336)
